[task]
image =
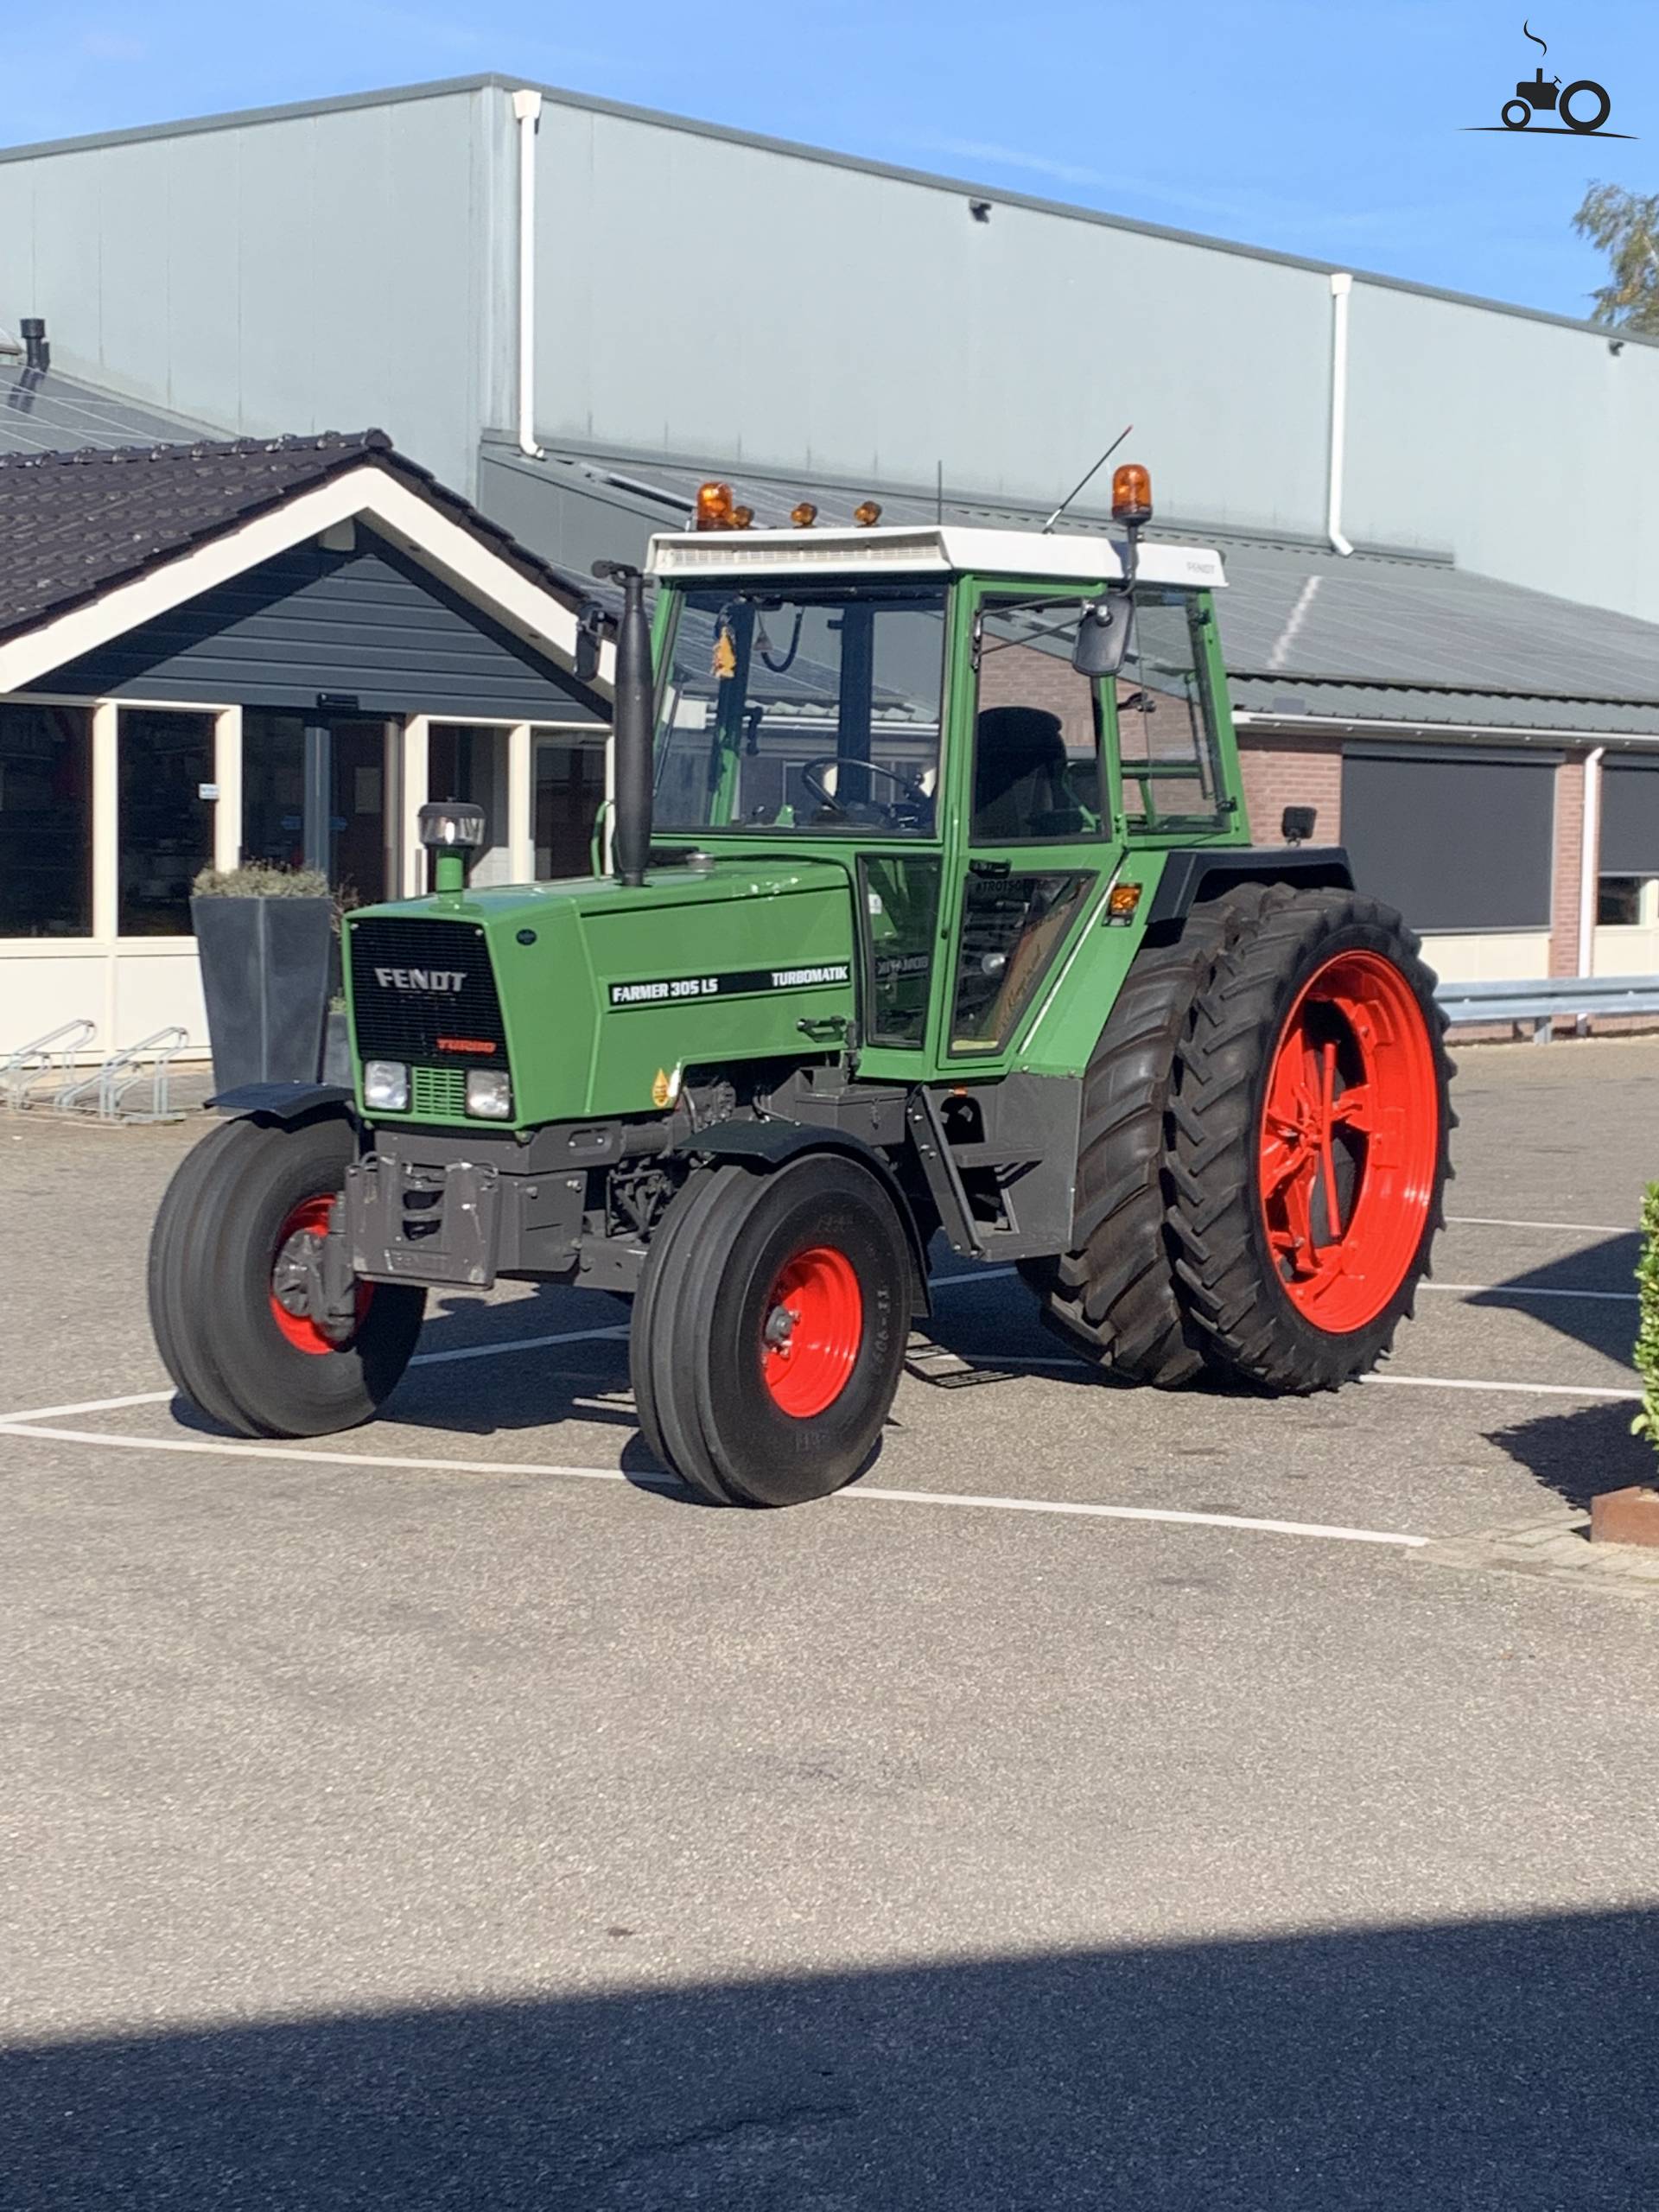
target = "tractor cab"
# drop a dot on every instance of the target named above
(985, 728)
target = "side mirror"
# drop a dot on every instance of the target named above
(1103, 634)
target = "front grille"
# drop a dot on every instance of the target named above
(437, 1091)
(423, 991)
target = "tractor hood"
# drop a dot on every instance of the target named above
(595, 995)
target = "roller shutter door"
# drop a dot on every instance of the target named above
(1456, 839)
(1630, 818)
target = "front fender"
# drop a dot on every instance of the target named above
(284, 1104)
(765, 1145)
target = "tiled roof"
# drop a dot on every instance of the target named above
(75, 524)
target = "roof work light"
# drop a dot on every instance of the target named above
(1131, 494)
(867, 514)
(804, 514)
(716, 508)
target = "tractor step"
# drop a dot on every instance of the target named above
(948, 1370)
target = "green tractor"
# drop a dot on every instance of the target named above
(931, 908)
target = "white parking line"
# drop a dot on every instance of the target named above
(1515, 1290)
(1491, 1220)
(1406, 1382)
(1526, 1390)
(492, 1349)
(960, 1500)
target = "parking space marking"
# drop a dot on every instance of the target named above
(1515, 1290)
(960, 1500)
(1490, 1221)
(1532, 1389)
(490, 1351)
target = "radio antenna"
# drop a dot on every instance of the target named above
(1089, 478)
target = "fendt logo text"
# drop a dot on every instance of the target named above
(420, 979)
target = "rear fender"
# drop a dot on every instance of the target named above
(1193, 873)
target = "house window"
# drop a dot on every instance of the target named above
(1622, 901)
(273, 788)
(46, 822)
(569, 790)
(166, 827)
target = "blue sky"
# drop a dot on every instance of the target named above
(1332, 129)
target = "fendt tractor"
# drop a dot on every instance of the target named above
(930, 906)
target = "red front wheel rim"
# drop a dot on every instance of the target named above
(1349, 1140)
(310, 1219)
(811, 1330)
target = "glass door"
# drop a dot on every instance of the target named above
(1041, 837)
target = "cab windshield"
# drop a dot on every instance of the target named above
(814, 712)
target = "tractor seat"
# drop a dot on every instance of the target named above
(1019, 786)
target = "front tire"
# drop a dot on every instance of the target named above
(1312, 1121)
(222, 1264)
(770, 1329)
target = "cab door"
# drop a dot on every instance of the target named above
(1039, 820)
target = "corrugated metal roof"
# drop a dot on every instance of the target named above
(1422, 710)
(49, 412)
(1374, 635)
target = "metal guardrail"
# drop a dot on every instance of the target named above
(1543, 1000)
(54, 1052)
(122, 1072)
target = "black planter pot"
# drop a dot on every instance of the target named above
(266, 967)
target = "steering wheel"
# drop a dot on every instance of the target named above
(911, 810)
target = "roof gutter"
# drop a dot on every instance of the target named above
(1509, 732)
(1342, 286)
(527, 110)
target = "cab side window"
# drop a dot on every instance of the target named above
(1036, 735)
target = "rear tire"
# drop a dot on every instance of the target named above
(235, 1202)
(1112, 1296)
(1312, 1121)
(770, 1330)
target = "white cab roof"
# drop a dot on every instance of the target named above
(926, 549)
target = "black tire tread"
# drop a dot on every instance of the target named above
(1113, 1296)
(1250, 1331)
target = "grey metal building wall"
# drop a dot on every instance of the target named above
(301, 271)
(823, 315)
(725, 300)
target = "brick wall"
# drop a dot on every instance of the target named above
(1280, 772)
(1569, 847)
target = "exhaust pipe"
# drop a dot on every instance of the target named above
(37, 354)
(630, 833)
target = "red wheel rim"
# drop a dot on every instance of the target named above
(1349, 1140)
(810, 1332)
(310, 1218)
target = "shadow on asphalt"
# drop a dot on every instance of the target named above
(1578, 1453)
(1497, 2066)
(1600, 1326)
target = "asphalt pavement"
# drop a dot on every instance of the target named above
(1111, 1801)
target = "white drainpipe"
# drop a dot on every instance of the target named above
(1589, 861)
(527, 110)
(1341, 285)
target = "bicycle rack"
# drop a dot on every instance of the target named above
(122, 1072)
(55, 1050)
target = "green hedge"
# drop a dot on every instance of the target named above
(1647, 1336)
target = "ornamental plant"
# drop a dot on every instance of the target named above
(1647, 1336)
(260, 880)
